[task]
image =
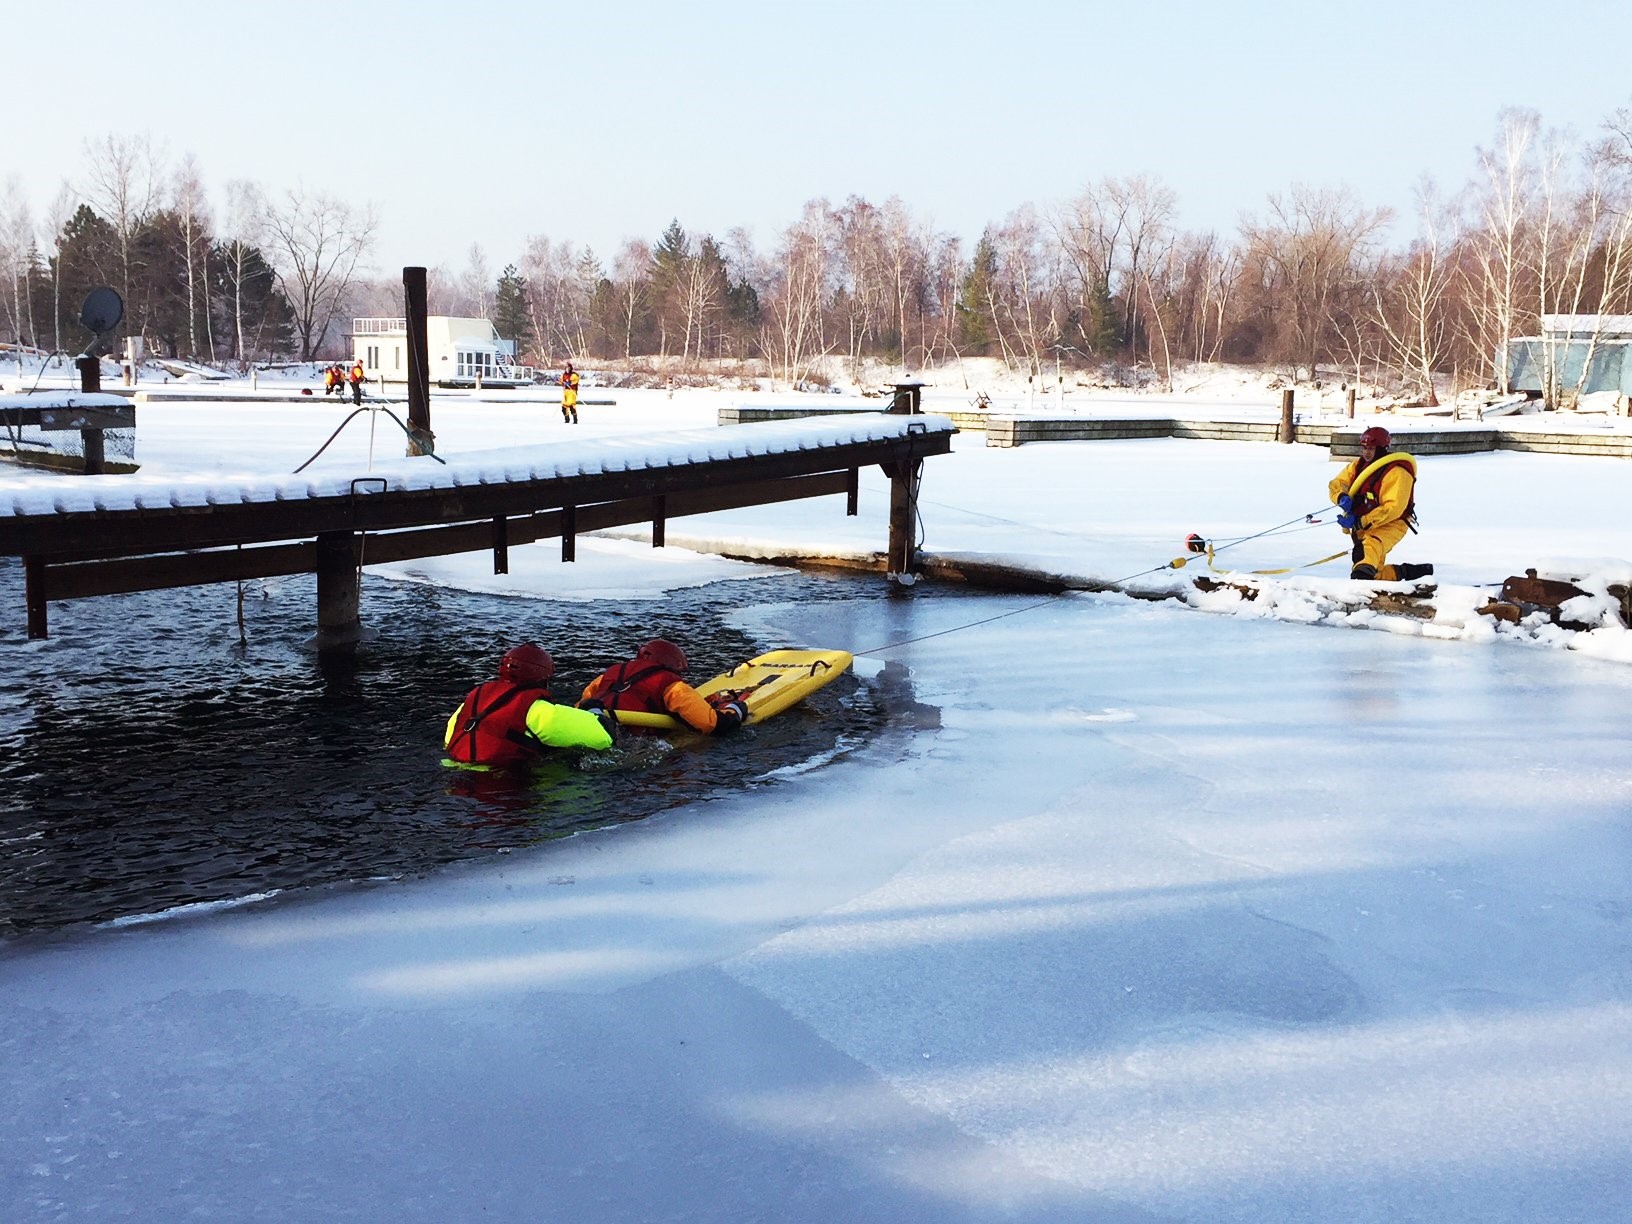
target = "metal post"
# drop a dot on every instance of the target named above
(1289, 429)
(421, 441)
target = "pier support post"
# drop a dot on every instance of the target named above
(1289, 427)
(421, 441)
(34, 596)
(339, 593)
(901, 566)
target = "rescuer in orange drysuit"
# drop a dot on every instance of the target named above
(651, 683)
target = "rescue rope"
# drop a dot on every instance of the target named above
(370, 408)
(1302, 522)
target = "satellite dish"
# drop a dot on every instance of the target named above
(102, 310)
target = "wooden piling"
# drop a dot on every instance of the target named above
(339, 594)
(1289, 428)
(34, 596)
(421, 441)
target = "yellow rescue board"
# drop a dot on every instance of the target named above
(767, 685)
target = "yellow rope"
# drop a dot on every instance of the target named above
(1181, 562)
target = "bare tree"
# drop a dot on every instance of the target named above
(862, 298)
(192, 215)
(123, 185)
(632, 276)
(62, 207)
(1309, 253)
(245, 232)
(1022, 293)
(1410, 295)
(319, 242)
(793, 336)
(1504, 205)
(16, 243)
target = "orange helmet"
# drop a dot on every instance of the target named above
(1376, 436)
(665, 654)
(528, 665)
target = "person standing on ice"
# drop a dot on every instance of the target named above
(1376, 495)
(357, 376)
(511, 723)
(652, 683)
(569, 395)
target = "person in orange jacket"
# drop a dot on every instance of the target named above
(357, 376)
(652, 683)
(1376, 498)
(331, 381)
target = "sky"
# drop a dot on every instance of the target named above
(1130, 911)
(599, 123)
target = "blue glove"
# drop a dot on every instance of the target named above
(1348, 521)
(1345, 503)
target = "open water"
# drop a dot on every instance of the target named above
(149, 760)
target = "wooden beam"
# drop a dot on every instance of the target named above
(80, 579)
(123, 575)
(173, 529)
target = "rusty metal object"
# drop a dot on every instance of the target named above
(1522, 597)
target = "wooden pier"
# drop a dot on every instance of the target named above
(106, 535)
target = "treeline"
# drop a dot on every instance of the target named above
(1543, 225)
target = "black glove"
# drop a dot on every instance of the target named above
(729, 716)
(608, 719)
(594, 703)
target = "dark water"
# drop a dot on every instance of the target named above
(148, 760)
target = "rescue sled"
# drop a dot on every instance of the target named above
(767, 685)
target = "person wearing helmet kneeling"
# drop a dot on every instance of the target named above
(653, 683)
(1376, 498)
(511, 723)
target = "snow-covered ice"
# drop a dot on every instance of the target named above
(1138, 911)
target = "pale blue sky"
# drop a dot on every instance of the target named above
(490, 122)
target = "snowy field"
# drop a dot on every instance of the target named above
(1148, 911)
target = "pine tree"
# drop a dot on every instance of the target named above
(975, 334)
(87, 256)
(510, 315)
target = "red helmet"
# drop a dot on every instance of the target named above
(665, 654)
(1376, 436)
(528, 665)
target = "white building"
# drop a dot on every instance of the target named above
(463, 352)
